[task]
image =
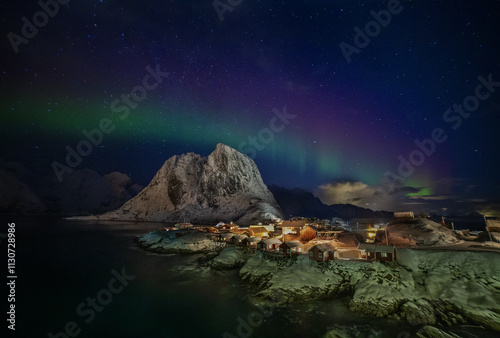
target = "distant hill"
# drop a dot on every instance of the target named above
(298, 202)
(82, 191)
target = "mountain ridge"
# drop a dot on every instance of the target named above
(299, 202)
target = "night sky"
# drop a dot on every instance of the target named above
(333, 127)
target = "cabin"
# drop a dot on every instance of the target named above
(367, 251)
(269, 227)
(250, 241)
(237, 239)
(292, 227)
(225, 237)
(322, 252)
(258, 231)
(270, 244)
(308, 232)
(290, 248)
(228, 227)
(384, 253)
(240, 231)
(405, 214)
(212, 229)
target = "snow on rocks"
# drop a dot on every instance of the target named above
(424, 287)
(229, 258)
(433, 332)
(165, 242)
(408, 232)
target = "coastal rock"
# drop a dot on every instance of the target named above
(229, 258)
(166, 242)
(423, 287)
(433, 332)
(352, 331)
(419, 311)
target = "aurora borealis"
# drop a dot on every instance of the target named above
(226, 79)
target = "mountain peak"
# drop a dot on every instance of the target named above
(225, 186)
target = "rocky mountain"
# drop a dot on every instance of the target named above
(85, 191)
(298, 202)
(225, 186)
(82, 192)
(16, 197)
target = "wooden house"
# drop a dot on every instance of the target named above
(308, 232)
(290, 248)
(228, 227)
(258, 231)
(270, 244)
(250, 241)
(292, 227)
(269, 227)
(322, 252)
(224, 237)
(237, 239)
(384, 253)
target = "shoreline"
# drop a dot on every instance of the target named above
(419, 288)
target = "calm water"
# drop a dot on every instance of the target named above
(60, 264)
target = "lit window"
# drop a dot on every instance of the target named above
(300, 249)
(383, 254)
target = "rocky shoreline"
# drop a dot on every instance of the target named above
(422, 288)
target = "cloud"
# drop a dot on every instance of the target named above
(362, 195)
(449, 196)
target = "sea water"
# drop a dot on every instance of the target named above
(89, 279)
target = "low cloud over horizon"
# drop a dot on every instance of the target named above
(448, 196)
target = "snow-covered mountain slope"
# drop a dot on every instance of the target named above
(225, 186)
(412, 231)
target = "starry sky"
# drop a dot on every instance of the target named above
(271, 79)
